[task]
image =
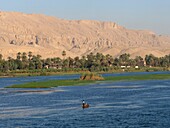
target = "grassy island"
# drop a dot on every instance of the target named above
(56, 83)
(52, 83)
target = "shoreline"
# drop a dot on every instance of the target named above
(77, 82)
(47, 73)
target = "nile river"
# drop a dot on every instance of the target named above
(125, 104)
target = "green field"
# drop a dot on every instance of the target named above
(56, 83)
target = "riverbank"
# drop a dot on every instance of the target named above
(72, 82)
(49, 72)
(38, 73)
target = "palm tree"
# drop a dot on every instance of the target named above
(37, 61)
(18, 56)
(124, 58)
(139, 61)
(24, 57)
(110, 59)
(1, 56)
(71, 62)
(39, 57)
(99, 56)
(104, 61)
(150, 60)
(29, 55)
(83, 61)
(63, 54)
(90, 59)
(65, 63)
(116, 62)
(77, 63)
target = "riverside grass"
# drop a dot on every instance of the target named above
(72, 82)
(52, 83)
(139, 77)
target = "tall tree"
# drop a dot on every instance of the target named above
(83, 61)
(19, 55)
(63, 54)
(71, 62)
(149, 60)
(65, 63)
(124, 58)
(1, 57)
(139, 61)
(77, 63)
(25, 61)
(29, 55)
(24, 57)
(90, 59)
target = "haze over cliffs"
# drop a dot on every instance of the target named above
(49, 36)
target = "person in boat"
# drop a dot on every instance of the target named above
(83, 102)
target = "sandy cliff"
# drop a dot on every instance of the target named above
(49, 36)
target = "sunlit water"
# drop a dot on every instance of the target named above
(139, 104)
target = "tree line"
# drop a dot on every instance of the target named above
(90, 62)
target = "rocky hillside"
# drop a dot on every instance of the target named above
(49, 36)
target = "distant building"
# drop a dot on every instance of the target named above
(128, 66)
(53, 66)
(136, 67)
(123, 66)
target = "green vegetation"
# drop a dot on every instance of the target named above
(52, 83)
(55, 83)
(30, 65)
(139, 77)
(91, 76)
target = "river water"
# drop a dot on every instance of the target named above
(126, 104)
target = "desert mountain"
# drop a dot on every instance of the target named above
(49, 36)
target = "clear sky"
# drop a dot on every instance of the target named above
(133, 14)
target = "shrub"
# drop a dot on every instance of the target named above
(91, 76)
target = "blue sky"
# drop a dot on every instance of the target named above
(133, 14)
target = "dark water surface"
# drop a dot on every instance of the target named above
(139, 104)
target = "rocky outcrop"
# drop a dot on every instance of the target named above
(49, 36)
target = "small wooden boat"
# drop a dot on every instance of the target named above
(85, 105)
